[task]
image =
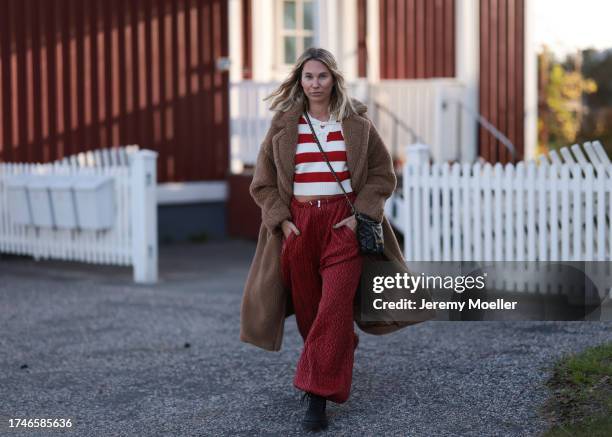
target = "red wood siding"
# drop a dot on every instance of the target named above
(362, 33)
(417, 39)
(247, 38)
(243, 215)
(502, 85)
(77, 75)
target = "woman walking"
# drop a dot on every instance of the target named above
(307, 259)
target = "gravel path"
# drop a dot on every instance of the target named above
(125, 359)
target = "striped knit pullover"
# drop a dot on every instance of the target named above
(312, 176)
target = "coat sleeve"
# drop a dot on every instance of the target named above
(264, 188)
(380, 181)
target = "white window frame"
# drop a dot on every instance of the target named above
(300, 33)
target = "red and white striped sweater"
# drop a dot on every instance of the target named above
(312, 176)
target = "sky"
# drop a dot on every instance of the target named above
(565, 25)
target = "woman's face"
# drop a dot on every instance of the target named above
(317, 81)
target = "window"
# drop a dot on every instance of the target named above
(296, 29)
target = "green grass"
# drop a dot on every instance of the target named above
(581, 400)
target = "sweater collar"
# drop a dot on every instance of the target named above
(293, 114)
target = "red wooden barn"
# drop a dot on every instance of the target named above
(186, 78)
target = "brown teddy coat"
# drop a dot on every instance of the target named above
(266, 302)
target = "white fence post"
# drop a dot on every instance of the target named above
(144, 217)
(417, 163)
(417, 154)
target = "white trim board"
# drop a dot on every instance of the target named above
(175, 193)
(530, 83)
(467, 70)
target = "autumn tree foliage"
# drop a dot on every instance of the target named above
(561, 106)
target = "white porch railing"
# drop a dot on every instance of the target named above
(249, 121)
(132, 239)
(418, 103)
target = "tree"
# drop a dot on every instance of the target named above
(597, 122)
(561, 110)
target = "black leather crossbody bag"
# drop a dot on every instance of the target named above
(369, 231)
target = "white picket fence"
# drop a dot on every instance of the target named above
(132, 240)
(558, 209)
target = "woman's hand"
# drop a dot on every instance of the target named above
(288, 227)
(350, 222)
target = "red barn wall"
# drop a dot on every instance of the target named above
(417, 39)
(502, 84)
(78, 75)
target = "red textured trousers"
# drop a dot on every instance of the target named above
(322, 265)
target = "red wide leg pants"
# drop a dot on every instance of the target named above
(322, 265)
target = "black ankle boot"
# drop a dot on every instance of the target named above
(314, 418)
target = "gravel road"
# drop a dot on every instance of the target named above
(86, 343)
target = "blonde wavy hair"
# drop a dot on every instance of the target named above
(291, 92)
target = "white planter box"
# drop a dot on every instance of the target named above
(40, 201)
(95, 203)
(19, 205)
(63, 201)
